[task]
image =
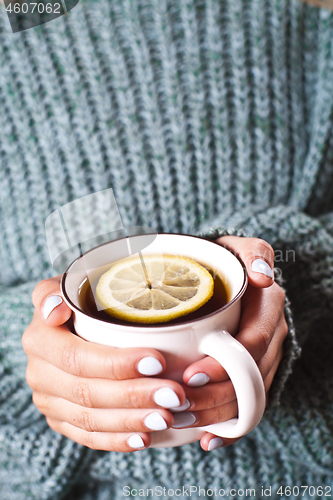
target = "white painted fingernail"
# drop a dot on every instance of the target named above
(182, 407)
(184, 419)
(260, 266)
(50, 304)
(214, 443)
(135, 441)
(149, 366)
(155, 421)
(166, 397)
(198, 379)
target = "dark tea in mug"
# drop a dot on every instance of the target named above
(219, 299)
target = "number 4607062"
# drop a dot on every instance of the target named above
(301, 491)
(31, 8)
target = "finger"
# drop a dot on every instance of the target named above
(217, 414)
(210, 442)
(205, 417)
(217, 395)
(104, 441)
(102, 393)
(49, 303)
(204, 371)
(102, 419)
(274, 350)
(262, 310)
(74, 355)
(218, 391)
(211, 396)
(272, 372)
(257, 255)
(221, 413)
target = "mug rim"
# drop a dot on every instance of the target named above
(151, 326)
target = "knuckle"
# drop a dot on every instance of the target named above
(31, 377)
(263, 341)
(120, 366)
(285, 328)
(35, 399)
(90, 441)
(38, 401)
(216, 399)
(215, 415)
(82, 393)
(51, 424)
(212, 400)
(133, 396)
(41, 403)
(70, 360)
(225, 396)
(127, 424)
(85, 421)
(110, 367)
(28, 341)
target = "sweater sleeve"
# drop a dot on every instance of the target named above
(35, 462)
(303, 267)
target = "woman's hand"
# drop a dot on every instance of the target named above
(262, 331)
(102, 397)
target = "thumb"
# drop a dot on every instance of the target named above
(257, 255)
(49, 303)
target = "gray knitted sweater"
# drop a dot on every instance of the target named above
(210, 116)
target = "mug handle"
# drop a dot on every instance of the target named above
(246, 379)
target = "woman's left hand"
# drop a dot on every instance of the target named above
(262, 331)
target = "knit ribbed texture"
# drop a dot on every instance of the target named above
(204, 116)
(164, 102)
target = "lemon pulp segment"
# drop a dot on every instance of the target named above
(167, 288)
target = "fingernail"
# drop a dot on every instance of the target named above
(149, 366)
(260, 266)
(182, 407)
(155, 422)
(50, 304)
(166, 397)
(184, 419)
(198, 379)
(135, 441)
(214, 443)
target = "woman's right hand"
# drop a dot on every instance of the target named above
(99, 396)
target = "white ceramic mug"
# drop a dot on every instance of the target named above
(183, 343)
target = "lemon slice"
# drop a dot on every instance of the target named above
(167, 288)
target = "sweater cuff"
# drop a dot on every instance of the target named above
(258, 222)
